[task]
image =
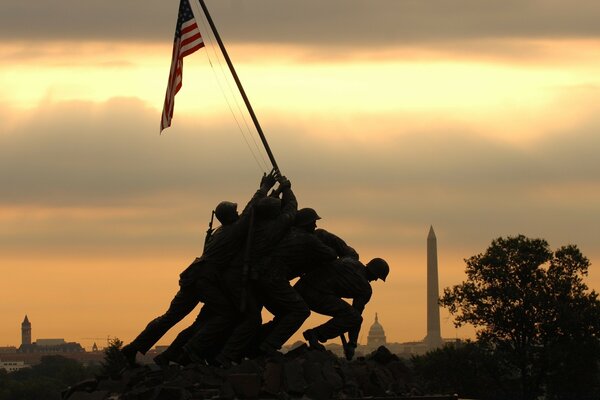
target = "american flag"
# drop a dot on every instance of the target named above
(187, 40)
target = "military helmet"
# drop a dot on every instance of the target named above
(226, 212)
(268, 207)
(305, 216)
(379, 268)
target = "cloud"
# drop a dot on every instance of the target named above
(89, 192)
(332, 23)
(112, 149)
(97, 175)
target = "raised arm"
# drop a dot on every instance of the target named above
(289, 204)
(266, 183)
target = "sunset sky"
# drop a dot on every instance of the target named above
(479, 118)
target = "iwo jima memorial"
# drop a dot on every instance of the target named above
(246, 265)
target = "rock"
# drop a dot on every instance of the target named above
(301, 373)
(226, 391)
(293, 377)
(319, 390)
(272, 378)
(207, 377)
(246, 386)
(111, 385)
(140, 393)
(246, 367)
(331, 375)
(97, 395)
(172, 393)
(88, 385)
(297, 351)
(313, 371)
(319, 356)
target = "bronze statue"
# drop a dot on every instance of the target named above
(324, 289)
(198, 282)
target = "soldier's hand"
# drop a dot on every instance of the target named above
(285, 183)
(268, 181)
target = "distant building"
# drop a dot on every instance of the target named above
(30, 353)
(25, 332)
(376, 338)
(376, 335)
(8, 350)
(51, 346)
(408, 349)
(50, 342)
(12, 366)
(71, 347)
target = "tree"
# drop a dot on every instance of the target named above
(114, 361)
(466, 368)
(530, 304)
(45, 380)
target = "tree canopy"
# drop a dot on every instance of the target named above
(529, 304)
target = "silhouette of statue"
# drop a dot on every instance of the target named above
(199, 282)
(323, 290)
(272, 219)
(300, 250)
(303, 249)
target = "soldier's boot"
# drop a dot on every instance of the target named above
(162, 360)
(269, 352)
(312, 339)
(183, 360)
(222, 362)
(129, 352)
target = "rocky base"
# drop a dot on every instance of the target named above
(300, 373)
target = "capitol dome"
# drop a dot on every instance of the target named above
(376, 336)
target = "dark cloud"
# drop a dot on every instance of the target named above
(80, 153)
(139, 187)
(365, 23)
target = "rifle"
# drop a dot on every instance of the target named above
(210, 229)
(348, 353)
(246, 267)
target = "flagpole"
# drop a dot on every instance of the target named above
(239, 85)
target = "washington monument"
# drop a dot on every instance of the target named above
(434, 338)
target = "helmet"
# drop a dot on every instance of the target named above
(379, 268)
(305, 216)
(268, 207)
(226, 212)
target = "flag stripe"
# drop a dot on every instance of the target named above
(187, 40)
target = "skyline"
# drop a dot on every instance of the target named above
(388, 117)
(26, 337)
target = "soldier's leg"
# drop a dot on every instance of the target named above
(175, 349)
(222, 317)
(345, 317)
(253, 351)
(246, 327)
(182, 304)
(289, 310)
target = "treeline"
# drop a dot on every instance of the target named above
(44, 381)
(474, 371)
